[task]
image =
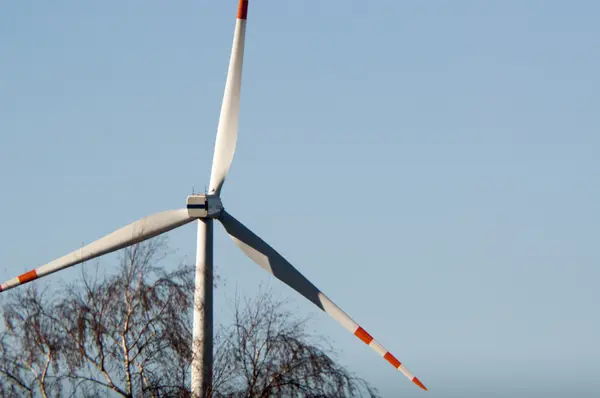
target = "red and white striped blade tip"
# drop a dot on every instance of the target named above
(243, 9)
(388, 356)
(418, 382)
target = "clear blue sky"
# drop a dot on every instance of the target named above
(432, 166)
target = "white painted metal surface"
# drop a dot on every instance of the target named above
(202, 332)
(227, 132)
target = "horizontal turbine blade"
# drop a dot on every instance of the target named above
(230, 110)
(274, 263)
(135, 232)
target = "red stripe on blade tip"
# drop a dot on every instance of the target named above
(418, 382)
(363, 335)
(243, 9)
(392, 359)
(28, 276)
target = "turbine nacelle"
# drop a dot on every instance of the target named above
(204, 206)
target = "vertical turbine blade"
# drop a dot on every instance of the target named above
(228, 121)
(275, 264)
(135, 232)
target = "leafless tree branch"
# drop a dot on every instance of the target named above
(130, 333)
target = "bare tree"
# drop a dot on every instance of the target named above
(267, 352)
(130, 333)
(31, 347)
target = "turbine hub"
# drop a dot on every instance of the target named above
(204, 206)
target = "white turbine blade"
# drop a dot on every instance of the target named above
(135, 232)
(272, 262)
(228, 121)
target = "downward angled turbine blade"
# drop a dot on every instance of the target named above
(274, 263)
(135, 232)
(228, 121)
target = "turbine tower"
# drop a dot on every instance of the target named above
(204, 209)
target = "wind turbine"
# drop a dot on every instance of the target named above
(206, 208)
